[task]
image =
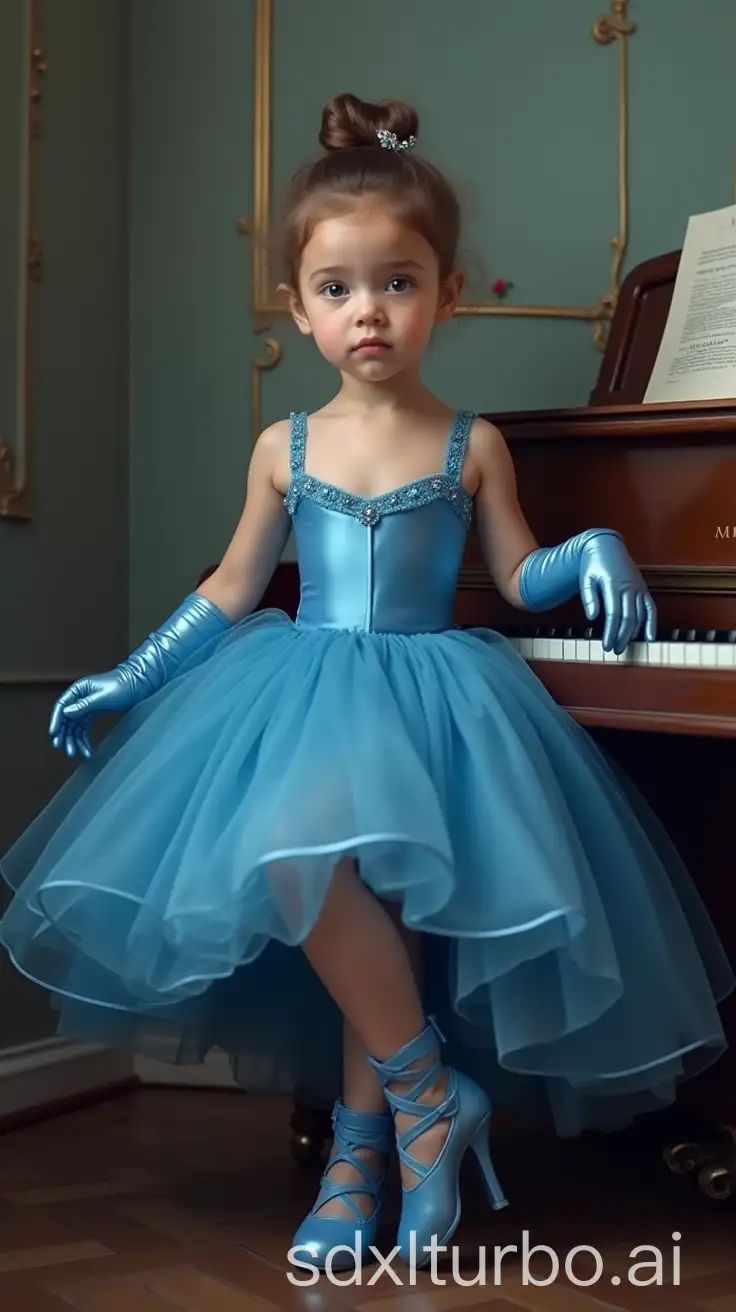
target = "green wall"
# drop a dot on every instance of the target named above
(518, 103)
(65, 574)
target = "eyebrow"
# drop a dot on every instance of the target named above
(335, 270)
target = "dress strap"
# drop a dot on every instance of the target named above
(457, 444)
(297, 441)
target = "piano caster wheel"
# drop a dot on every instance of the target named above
(718, 1181)
(682, 1158)
(714, 1159)
(310, 1130)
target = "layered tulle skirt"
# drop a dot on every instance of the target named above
(163, 893)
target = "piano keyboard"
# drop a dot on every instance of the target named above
(679, 649)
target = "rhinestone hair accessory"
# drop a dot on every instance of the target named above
(390, 141)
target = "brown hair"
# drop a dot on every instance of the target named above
(357, 165)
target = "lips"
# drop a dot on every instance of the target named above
(371, 343)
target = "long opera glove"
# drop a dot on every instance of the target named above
(147, 669)
(596, 565)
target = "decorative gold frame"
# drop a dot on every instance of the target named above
(609, 27)
(15, 460)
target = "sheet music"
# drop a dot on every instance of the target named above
(697, 356)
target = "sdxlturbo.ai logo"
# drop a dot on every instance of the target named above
(344, 1265)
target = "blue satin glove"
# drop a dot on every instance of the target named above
(597, 565)
(146, 670)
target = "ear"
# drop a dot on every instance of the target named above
(296, 308)
(450, 293)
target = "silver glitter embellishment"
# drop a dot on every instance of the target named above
(445, 486)
(390, 141)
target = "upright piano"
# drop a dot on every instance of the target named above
(665, 476)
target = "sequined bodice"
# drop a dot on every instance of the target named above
(382, 564)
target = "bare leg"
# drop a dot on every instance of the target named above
(362, 1087)
(360, 956)
(358, 953)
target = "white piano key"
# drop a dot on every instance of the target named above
(678, 654)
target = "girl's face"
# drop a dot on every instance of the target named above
(370, 294)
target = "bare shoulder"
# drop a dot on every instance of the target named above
(489, 455)
(274, 440)
(270, 458)
(486, 442)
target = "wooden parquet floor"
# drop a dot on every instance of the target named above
(162, 1200)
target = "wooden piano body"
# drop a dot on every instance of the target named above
(665, 476)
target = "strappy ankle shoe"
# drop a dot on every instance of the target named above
(431, 1207)
(319, 1234)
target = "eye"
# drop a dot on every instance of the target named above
(404, 284)
(334, 290)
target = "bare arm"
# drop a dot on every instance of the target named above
(244, 572)
(505, 536)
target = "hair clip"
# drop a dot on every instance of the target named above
(390, 141)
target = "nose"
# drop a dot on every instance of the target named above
(370, 309)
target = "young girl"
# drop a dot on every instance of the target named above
(368, 846)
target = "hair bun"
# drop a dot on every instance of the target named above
(349, 123)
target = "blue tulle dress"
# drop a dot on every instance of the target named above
(162, 894)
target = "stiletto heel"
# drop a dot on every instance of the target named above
(479, 1145)
(431, 1208)
(319, 1234)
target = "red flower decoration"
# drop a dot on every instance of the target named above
(501, 288)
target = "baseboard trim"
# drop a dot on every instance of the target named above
(214, 1073)
(46, 1078)
(36, 678)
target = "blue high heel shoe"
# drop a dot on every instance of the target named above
(318, 1235)
(431, 1207)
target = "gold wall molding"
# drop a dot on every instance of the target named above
(15, 454)
(272, 357)
(609, 28)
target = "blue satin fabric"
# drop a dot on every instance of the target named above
(379, 579)
(162, 894)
